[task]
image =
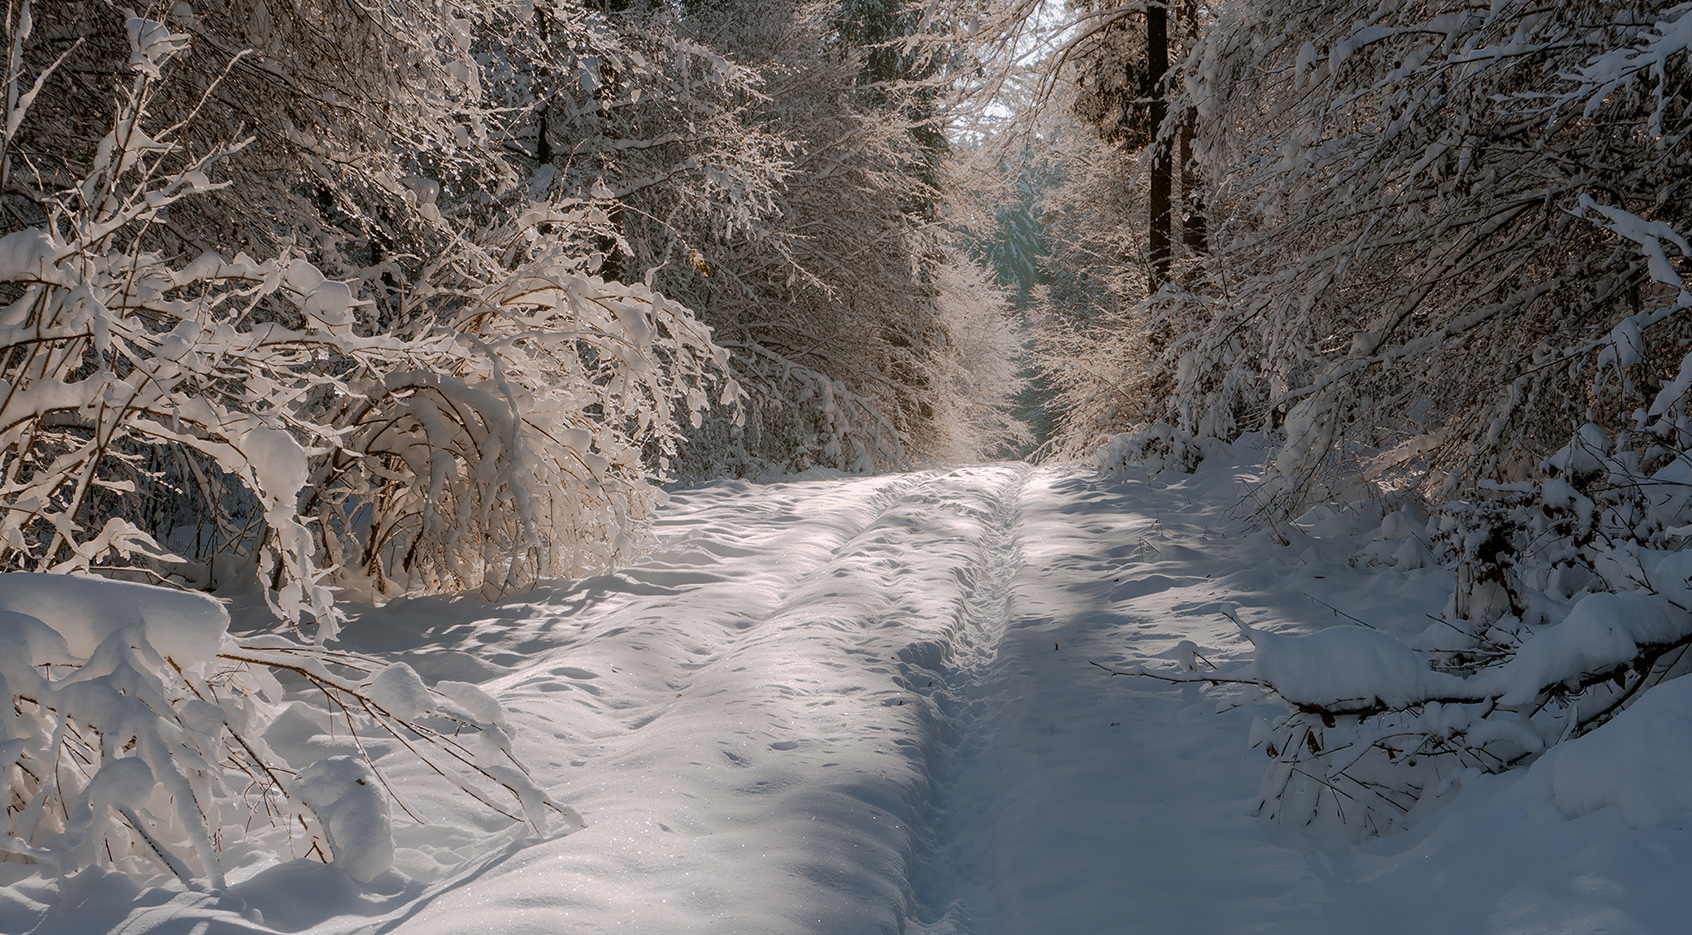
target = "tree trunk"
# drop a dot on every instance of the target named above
(1157, 64)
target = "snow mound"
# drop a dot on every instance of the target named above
(1671, 576)
(344, 793)
(1601, 632)
(84, 611)
(31, 255)
(1342, 666)
(400, 691)
(1641, 762)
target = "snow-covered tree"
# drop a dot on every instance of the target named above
(1436, 218)
(1453, 232)
(847, 303)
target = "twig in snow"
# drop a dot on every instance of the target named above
(1207, 679)
(1342, 613)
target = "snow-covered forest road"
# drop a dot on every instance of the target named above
(354, 357)
(856, 705)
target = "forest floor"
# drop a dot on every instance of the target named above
(855, 705)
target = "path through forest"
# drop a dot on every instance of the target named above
(865, 704)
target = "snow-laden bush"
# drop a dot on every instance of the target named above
(139, 735)
(1380, 728)
(1446, 239)
(490, 435)
(1149, 448)
(1572, 602)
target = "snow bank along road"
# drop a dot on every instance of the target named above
(862, 705)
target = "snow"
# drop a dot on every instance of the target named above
(865, 704)
(300, 736)
(277, 460)
(399, 690)
(31, 254)
(1638, 763)
(348, 799)
(1600, 632)
(1349, 667)
(150, 43)
(1649, 235)
(183, 626)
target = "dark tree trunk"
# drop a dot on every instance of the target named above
(1157, 64)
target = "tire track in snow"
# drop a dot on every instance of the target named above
(951, 882)
(909, 611)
